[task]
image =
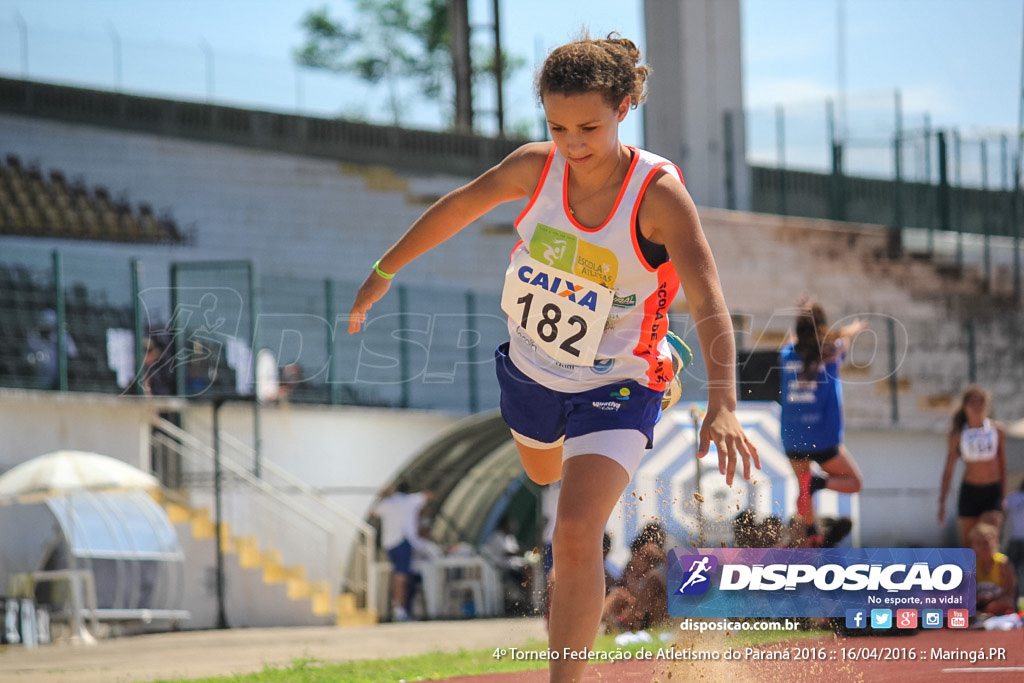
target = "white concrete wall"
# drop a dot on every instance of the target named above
(35, 423)
(348, 453)
(902, 472)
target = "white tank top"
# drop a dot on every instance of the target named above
(979, 444)
(633, 345)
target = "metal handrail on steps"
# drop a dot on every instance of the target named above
(323, 505)
(323, 509)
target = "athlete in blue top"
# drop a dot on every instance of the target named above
(812, 410)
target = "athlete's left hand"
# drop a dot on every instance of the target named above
(723, 428)
(370, 292)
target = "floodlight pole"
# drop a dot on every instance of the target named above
(23, 33)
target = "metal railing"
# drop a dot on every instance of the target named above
(354, 532)
(282, 512)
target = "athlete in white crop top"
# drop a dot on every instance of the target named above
(582, 380)
(981, 444)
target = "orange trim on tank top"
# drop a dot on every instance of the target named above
(540, 185)
(618, 199)
(633, 226)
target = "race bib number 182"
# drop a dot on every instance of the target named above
(563, 313)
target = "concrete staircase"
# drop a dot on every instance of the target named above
(261, 588)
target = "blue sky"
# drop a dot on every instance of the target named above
(959, 61)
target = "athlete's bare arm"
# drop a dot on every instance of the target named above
(668, 216)
(514, 178)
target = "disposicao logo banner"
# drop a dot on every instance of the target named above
(787, 582)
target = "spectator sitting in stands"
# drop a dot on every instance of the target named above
(41, 345)
(997, 581)
(640, 600)
(502, 549)
(157, 370)
(612, 575)
(1015, 532)
(291, 376)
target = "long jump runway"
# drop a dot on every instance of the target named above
(929, 656)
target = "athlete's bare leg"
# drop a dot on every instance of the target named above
(542, 465)
(591, 486)
(843, 474)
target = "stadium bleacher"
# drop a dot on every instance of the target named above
(36, 206)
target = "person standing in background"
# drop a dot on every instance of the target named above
(1014, 542)
(399, 513)
(42, 349)
(981, 443)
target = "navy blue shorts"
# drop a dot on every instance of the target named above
(545, 415)
(401, 558)
(820, 457)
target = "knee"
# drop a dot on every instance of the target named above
(542, 476)
(542, 466)
(576, 537)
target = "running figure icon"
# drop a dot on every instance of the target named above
(697, 573)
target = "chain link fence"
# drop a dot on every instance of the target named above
(421, 347)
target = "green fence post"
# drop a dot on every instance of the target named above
(896, 230)
(140, 360)
(972, 360)
(930, 205)
(838, 210)
(985, 219)
(403, 349)
(730, 161)
(894, 383)
(257, 431)
(176, 324)
(959, 204)
(474, 390)
(1015, 216)
(57, 260)
(780, 146)
(944, 210)
(331, 315)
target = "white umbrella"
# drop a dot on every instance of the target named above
(63, 472)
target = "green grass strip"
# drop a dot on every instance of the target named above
(440, 665)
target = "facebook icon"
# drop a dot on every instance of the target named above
(856, 618)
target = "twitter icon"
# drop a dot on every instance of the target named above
(881, 618)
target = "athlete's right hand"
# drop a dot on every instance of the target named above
(370, 292)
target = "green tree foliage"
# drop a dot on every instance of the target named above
(392, 41)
